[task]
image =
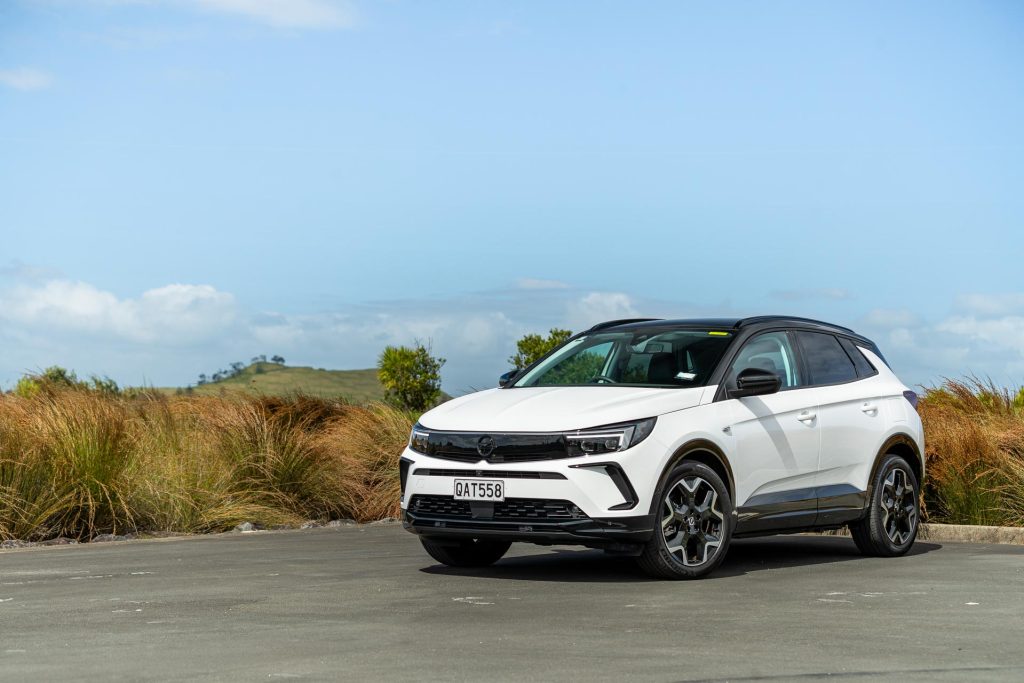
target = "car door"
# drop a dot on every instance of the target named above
(853, 422)
(776, 439)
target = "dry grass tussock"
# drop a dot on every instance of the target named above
(78, 463)
(974, 435)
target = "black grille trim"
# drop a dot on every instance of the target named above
(487, 474)
(501, 448)
(510, 510)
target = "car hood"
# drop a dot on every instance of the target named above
(555, 409)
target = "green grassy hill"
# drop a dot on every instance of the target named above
(359, 386)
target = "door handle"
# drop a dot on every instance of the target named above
(869, 408)
(807, 416)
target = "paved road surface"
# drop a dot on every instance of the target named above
(365, 603)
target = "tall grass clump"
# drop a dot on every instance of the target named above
(974, 435)
(63, 459)
(78, 462)
(365, 442)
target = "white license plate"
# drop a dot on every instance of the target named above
(479, 489)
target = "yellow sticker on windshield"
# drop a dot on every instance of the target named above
(716, 333)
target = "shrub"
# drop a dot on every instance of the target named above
(533, 347)
(57, 378)
(411, 376)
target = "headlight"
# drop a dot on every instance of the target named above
(610, 439)
(419, 440)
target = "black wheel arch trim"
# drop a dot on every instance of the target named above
(695, 446)
(899, 439)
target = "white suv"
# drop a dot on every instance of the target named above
(664, 439)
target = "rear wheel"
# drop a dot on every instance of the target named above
(890, 527)
(472, 552)
(694, 524)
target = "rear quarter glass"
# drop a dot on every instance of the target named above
(863, 365)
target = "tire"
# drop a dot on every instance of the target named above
(469, 553)
(890, 526)
(694, 524)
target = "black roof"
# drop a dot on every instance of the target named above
(722, 323)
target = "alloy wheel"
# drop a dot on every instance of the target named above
(692, 523)
(899, 507)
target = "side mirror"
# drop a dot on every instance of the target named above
(755, 382)
(507, 377)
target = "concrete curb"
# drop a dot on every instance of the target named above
(972, 534)
(963, 533)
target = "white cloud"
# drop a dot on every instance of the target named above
(1005, 332)
(175, 314)
(991, 304)
(598, 307)
(539, 283)
(311, 14)
(983, 336)
(25, 78)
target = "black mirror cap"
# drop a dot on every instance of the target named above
(755, 382)
(507, 378)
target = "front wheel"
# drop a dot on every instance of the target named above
(472, 552)
(890, 526)
(694, 524)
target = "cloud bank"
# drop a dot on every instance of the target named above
(167, 335)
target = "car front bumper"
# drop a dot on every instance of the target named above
(573, 501)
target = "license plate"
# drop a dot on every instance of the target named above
(479, 489)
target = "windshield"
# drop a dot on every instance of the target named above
(655, 357)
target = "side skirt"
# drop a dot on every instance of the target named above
(801, 509)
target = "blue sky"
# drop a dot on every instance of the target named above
(184, 183)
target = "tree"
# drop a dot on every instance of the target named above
(411, 376)
(56, 377)
(50, 378)
(277, 359)
(202, 379)
(533, 347)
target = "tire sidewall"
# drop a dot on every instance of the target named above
(667, 559)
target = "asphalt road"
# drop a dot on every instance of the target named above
(365, 603)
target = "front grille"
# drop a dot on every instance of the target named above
(509, 510)
(490, 474)
(465, 447)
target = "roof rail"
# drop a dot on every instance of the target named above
(792, 318)
(623, 321)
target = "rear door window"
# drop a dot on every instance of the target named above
(826, 361)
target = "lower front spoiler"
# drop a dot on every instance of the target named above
(623, 534)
